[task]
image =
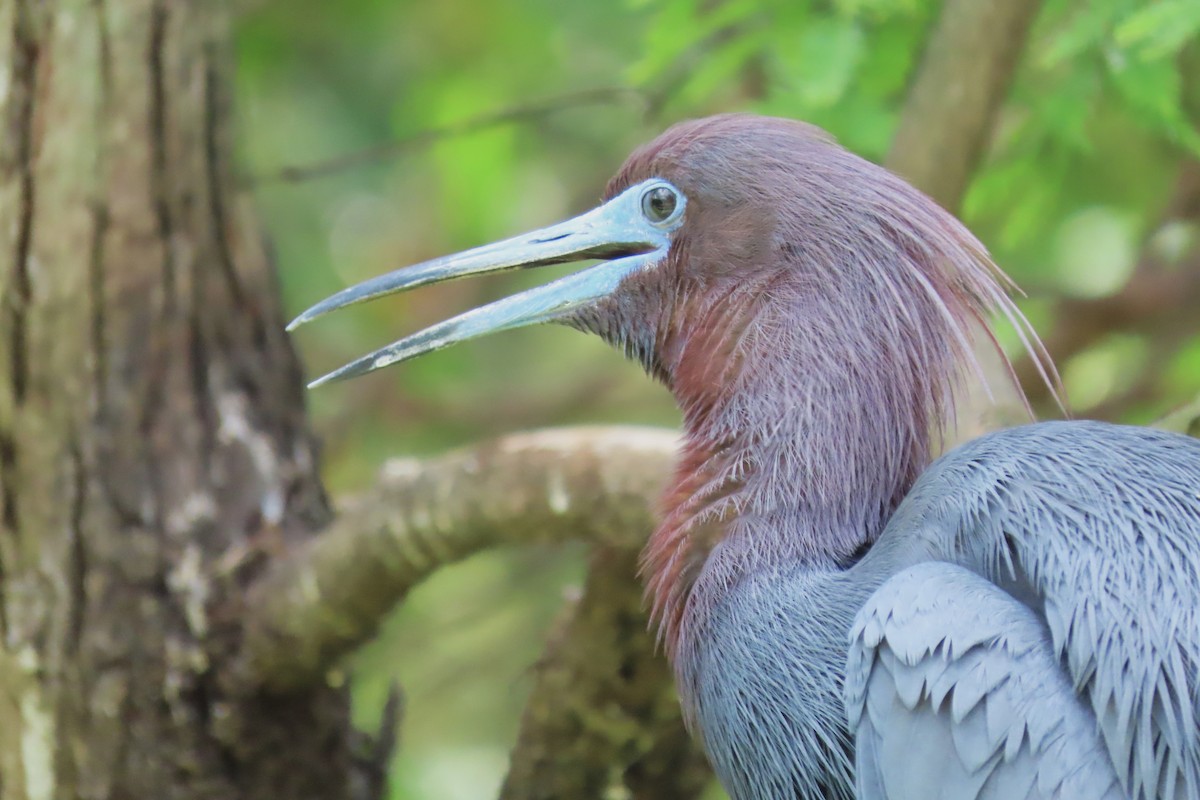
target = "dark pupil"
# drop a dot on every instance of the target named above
(659, 203)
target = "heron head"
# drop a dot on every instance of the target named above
(722, 241)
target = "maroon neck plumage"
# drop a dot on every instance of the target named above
(813, 329)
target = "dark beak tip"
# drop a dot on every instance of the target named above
(331, 377)
(306, 317)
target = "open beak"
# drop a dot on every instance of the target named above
(618, 231)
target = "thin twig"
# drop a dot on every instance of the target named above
(507, 116)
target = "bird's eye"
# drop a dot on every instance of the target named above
(659, 203)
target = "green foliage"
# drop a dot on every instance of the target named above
(1097, 73)
(1159, 30)
(1082, 161)
(843, 67)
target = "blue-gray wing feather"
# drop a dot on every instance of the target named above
(1085, 534)
(953, 693)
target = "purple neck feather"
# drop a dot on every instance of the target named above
(800, 452)
(813, 396)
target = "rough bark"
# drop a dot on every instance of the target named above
(153, 450)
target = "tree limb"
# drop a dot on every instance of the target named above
(967, 67)
(602, 719)
(593, 484)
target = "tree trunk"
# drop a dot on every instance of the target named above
(153, 449)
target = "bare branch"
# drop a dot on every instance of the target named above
(591, 484)
(963, 79)
(602, 720)
(520, 113)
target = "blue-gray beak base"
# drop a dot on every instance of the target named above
(619, 230)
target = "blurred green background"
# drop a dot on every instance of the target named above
(376, 134)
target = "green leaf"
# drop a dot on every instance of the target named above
(887, 60)
(1153, 90)
(1066, 112)
(1086, 30)
(1183, 375)
(671, 33)
(1159, 30)
(718, 69)
(820, 65)
(679, 27)
(876, 9)
(1022, 192)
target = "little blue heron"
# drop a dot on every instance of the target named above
(1018, 619)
